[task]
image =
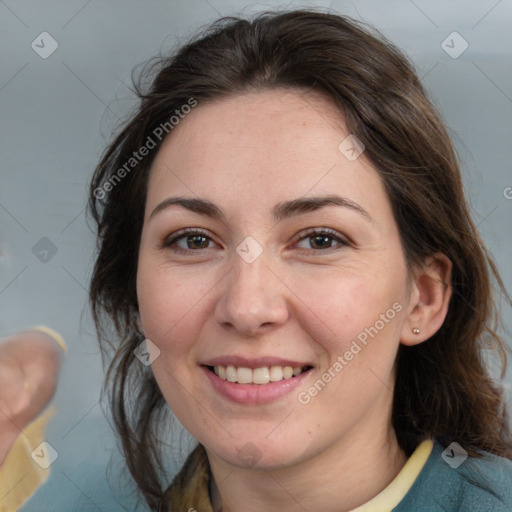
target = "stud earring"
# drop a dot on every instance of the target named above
(415, 330)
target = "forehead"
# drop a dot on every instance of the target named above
(259, 146)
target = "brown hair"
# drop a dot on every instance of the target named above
(443, 389)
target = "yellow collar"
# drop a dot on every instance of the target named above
(395, 492)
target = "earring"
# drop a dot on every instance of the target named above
(415, 330)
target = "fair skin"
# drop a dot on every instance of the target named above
(304, 298)
(29, 369)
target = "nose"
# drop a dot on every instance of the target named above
(252, 299)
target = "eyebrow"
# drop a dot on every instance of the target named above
(281, 211)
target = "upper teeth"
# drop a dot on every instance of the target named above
(262, 375)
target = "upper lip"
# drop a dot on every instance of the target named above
(257, 362)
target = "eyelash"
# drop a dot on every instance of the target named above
(308, 233)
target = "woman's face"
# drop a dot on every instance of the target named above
(293, 261)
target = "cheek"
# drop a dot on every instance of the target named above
(169, 304)
(347, 305)
(172, 307)
(356, 328)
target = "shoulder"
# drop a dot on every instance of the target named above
(451, 482)
(489, 480)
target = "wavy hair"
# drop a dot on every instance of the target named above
(443, 387)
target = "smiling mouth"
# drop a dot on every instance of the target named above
(263, 375)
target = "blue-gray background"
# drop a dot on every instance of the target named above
(57, 114)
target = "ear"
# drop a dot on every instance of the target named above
(430, 300)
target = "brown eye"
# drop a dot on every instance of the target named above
(196, 241)
(188, 240)
(321, 239)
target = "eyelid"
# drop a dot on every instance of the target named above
(343, 240)
(171, 239)
(305, 233)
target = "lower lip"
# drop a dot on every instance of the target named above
(254, 394)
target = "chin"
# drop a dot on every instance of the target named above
(256, 453)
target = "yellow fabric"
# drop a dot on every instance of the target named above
(189, 490)
(394, 493)
(20, 476)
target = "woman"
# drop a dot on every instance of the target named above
(283, 221)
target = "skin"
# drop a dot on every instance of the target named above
(29, 369)
(247, 154)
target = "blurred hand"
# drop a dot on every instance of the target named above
(29, 367)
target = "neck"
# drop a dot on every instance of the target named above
(342, 477)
